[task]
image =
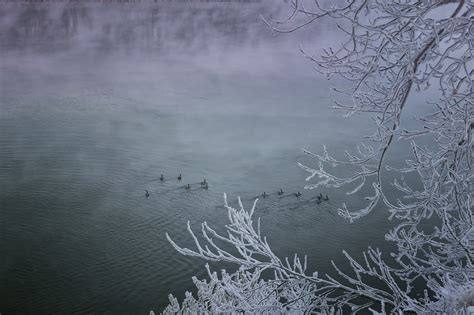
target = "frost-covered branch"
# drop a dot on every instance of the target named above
(287, 286)
(390, 50)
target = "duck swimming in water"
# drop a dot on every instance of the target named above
(179, 177)
(264, 195)
(188, 186)
(147, 194)
(298, 194)
(280, 192)
(162, 178)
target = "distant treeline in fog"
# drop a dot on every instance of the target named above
(133, 1)
(143, 25)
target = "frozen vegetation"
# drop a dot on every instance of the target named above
(391, 50)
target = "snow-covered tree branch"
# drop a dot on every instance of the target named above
(390, 50)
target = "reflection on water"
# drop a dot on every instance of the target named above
(80, 145)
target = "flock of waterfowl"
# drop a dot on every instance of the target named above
(320, 198)
(204, 185)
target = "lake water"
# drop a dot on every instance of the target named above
(80, 142)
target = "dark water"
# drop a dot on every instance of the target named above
(80, 143)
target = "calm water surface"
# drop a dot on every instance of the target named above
(79, 144)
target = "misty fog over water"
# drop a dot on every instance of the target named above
(96, 101)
